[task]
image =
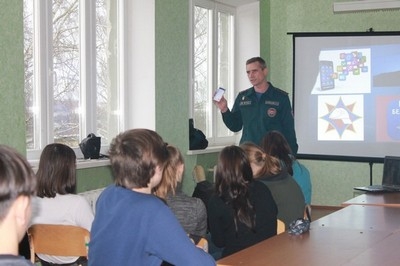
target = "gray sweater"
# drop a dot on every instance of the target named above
(190, 212)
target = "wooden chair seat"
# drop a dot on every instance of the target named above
(280, 227)
(203, 244)
(58, 240)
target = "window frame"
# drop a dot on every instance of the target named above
(43, 72)
(214, 142)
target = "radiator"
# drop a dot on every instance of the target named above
(91, 196)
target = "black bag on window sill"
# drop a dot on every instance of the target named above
(90, 146)
(197, 139)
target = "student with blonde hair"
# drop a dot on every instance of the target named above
(261, 163)
(190, 211)
(286, 192)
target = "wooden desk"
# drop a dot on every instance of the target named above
(361, 218)
(346, 237)
(376, 199)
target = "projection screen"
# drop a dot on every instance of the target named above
(346, 95)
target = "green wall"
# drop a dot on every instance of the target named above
(93, 178)
(172, 78)
(12, 112)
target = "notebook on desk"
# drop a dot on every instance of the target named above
(390, 178)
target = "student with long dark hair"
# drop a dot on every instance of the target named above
(57, 200)
(242, 212)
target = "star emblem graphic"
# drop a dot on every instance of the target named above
(340, 117)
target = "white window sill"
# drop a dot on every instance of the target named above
(213, 149)
(89, 163)
(80, 163)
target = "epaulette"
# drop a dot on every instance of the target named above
(246, 92)
(281, 91)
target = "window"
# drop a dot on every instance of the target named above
(212, 67)
(72, 59)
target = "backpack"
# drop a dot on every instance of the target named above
(197, 139)
(90, 146)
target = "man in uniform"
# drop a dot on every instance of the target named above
(260, 109)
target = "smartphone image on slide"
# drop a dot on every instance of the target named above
(326, 75)
(218, 94)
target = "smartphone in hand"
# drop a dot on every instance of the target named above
(218, 94)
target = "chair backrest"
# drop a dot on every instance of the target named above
(280, 227)
(58, 240)
(307, 212)
(203, 244)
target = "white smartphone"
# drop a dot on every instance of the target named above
(218, 94)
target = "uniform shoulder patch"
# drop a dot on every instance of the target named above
(281, 91)
(246, 92)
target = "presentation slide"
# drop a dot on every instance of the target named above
(346, 95)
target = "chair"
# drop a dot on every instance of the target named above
(280, 227)
(58, 240)
(203, 244)
(198, 173)
(307, 212)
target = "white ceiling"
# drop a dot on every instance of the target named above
(237, 2)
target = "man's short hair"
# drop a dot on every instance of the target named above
(257, 59)
(16, 178)
(134, 156)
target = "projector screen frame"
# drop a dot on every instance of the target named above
(330, 157)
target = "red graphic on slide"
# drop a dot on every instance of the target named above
(387, 118)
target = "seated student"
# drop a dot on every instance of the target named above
(275, 144)
(286, 192)
(203, 189)
(57, 201)
(132, 226)
(242, 212)
(191, 212)
(17, 186)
